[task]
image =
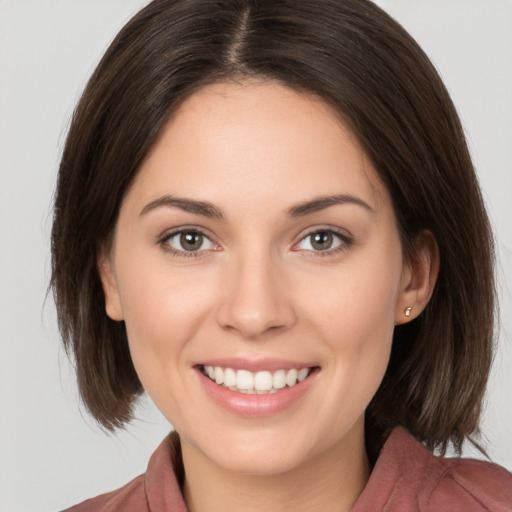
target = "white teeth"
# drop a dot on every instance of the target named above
(279, 379)
(303, 373)
(263, 381)
(229, 377)
(219, 375)
(244, 381)
(291, 377)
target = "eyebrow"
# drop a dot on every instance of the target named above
(206, 209)
(188, 205)
(321, 203)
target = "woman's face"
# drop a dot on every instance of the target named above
(258, 244)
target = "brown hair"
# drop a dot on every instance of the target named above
(365, 65)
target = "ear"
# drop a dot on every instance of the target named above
(419, 277)
(108, 279)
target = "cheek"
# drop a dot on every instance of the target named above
(163, 309)
(357, 299)
(353, 311)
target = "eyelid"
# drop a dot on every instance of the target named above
(346, 238)
(171, 233)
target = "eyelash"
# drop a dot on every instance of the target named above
(163, 242)
(345, 243)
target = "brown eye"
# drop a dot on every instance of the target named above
(191, 240)
(322, 240)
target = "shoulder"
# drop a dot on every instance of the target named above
(157, 490)
(129, 498)
(409, 478)
(470, 485)
(452, 484)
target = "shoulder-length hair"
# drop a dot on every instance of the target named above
(362, 63)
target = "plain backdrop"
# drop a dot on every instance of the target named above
(51, 453)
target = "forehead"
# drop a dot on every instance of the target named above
(258, 139)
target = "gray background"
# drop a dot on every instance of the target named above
(51, 454)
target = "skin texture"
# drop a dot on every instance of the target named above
(257, 288)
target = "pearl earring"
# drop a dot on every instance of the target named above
(408, 311)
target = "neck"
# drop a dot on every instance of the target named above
(328, 481)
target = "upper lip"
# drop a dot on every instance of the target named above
(255, 365)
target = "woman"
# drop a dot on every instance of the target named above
(265, 218)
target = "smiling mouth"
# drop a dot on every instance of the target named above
(261, 383)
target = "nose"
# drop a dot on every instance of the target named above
(255, 299)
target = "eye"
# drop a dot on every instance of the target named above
(323, 240)
(187, 241)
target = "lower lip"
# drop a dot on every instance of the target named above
(256, 406)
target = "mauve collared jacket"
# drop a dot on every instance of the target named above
(406, 478)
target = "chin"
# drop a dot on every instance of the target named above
(258, 453)
(260, 463)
